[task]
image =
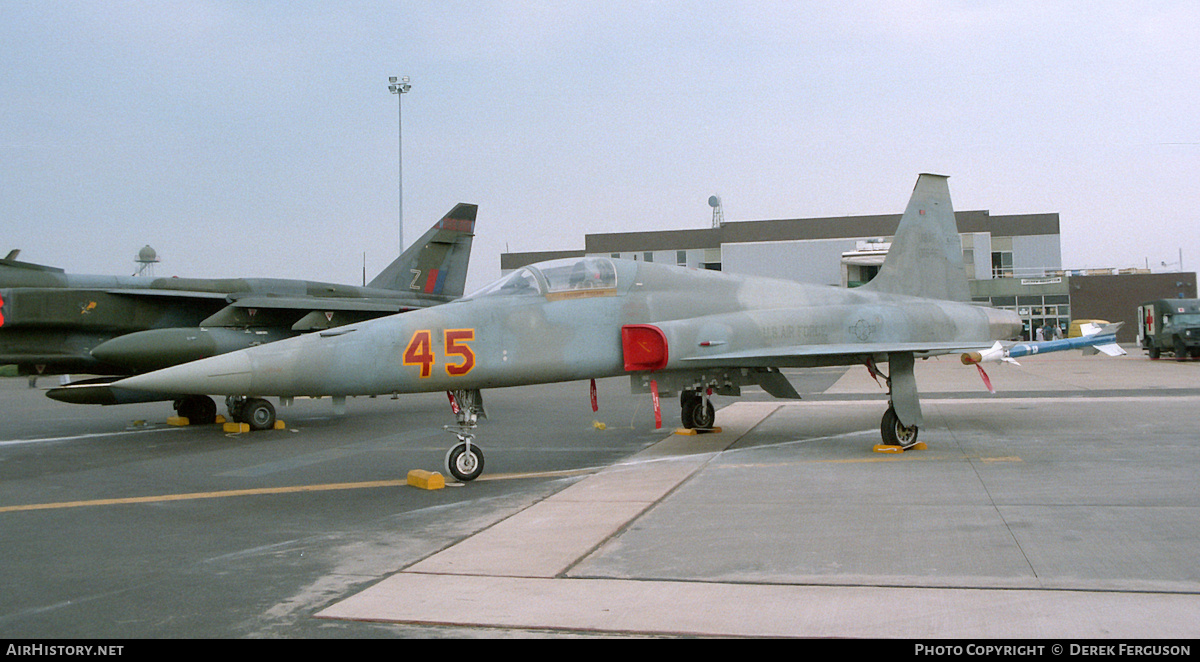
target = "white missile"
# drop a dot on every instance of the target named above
(1094, 339)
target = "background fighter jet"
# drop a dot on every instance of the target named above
(671, 329)
(57, 323)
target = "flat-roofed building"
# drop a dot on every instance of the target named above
(1012, 261)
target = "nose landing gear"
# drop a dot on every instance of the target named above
(464, 460)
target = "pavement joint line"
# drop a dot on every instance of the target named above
(545, 540)
(525, 596)
(736, 609)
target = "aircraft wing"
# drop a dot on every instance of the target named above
(308, 304)
(306, 313)
(312, 312)
(179, 294)
(776, 356)
(301, 303)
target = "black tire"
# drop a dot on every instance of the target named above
(1181, 352)
(258, 413)
(894, 433)
(1153, 353)
(686, 406)
(198, 409)
(464, 466)
(701, 414)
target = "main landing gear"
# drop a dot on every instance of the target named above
(696, 410)
(198, 409)
(902, 395)
(896, 433)
(258, 413)
(464, 460)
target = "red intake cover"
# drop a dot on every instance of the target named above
(644, 347)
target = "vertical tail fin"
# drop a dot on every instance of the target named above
(925, 259)
(437, 262)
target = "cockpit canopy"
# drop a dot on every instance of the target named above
(568, 278)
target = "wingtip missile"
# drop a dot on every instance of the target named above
(993, 354)
(1095, 338)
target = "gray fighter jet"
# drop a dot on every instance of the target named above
(52, 322)
(673, 330)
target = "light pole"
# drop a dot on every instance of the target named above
(399, 87)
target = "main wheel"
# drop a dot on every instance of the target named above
(894, 432)
(464, 463)
(258, 413)
(198, 409)
(700, 412)
(686, 406)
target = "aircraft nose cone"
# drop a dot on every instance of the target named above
(227, 374)
(144, 351)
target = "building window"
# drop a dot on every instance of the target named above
(1002, 264)
(681, 258)
(648, 256)
(1042, 312)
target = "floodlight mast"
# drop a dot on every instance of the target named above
(399, 88)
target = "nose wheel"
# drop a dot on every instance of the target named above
(464, 460)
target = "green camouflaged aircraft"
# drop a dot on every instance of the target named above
(52, 322)
(670, 329)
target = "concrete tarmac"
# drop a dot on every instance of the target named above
(1072, 512)
(1066, 506)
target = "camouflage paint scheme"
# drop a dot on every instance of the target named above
(57, 323)
(681, 330)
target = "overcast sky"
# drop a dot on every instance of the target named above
(259, 138)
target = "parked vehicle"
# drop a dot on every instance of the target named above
(1170, 326)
